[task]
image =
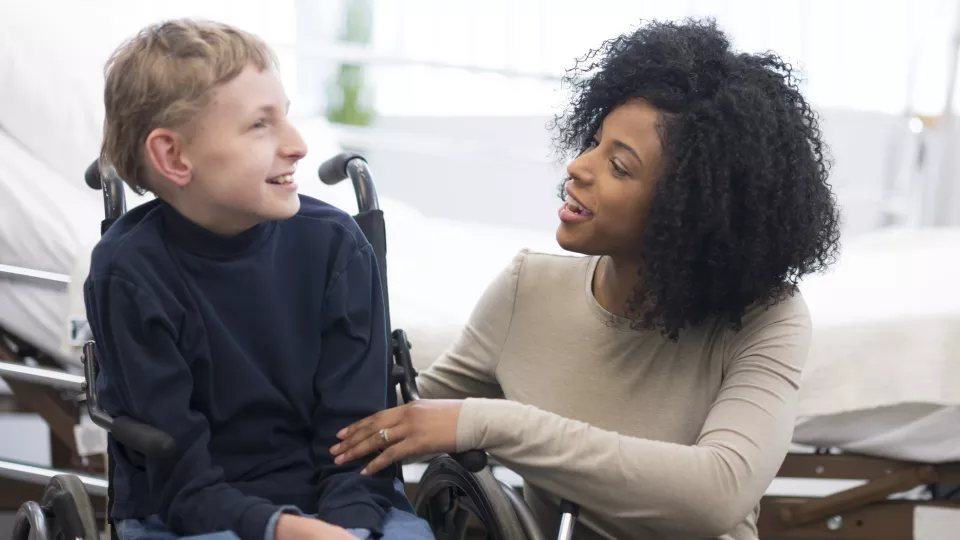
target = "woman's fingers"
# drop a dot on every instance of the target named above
(358, 447)
(363, 433)
(366, 423)
(397, 452)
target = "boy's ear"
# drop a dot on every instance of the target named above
(165, 152)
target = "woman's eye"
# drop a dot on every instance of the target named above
(617, 169)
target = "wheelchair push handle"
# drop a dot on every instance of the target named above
(92, 175)
(353, 166)
(110, 183)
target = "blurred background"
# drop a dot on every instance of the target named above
(449, 101)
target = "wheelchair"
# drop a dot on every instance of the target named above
(452, 488)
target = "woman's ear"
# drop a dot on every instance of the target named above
(164, 151)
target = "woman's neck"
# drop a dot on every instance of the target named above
(614, 284)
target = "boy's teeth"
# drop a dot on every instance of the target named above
(285, 179)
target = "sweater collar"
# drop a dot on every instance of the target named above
(201, 241)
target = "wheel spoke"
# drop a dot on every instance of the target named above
(459, 520)
(448, 495)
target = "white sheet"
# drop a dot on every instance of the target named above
(39, 217)
(883, 376)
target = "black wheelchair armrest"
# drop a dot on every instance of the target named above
(471, 460)
(134, 434)
(145, 439)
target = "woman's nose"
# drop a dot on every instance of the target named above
(579, 169)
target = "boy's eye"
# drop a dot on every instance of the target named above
(259, 124)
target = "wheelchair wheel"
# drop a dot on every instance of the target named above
(449, 495)
(30, 523)
(67, 500)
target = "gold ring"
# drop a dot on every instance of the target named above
(384, 436)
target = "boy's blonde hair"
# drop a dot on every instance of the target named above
(162, 77)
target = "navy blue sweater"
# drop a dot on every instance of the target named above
(252, 351)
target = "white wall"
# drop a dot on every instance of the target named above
(461, 167)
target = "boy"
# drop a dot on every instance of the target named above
(241, 318)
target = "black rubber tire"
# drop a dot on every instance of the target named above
(524, 515)
(71, 484)
(30, 523)
(480, 492)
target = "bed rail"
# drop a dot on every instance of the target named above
(47, 377)
(29, 274)
(33, 474)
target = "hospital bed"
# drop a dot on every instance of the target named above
(879, 411)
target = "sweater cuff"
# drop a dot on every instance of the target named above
(254, 521)
(356, 516)
(271, 532)
(484, 423)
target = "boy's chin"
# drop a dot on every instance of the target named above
(283, 209)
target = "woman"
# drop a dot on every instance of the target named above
(654, 380)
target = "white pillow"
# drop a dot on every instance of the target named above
(52, 54)
(51, 65)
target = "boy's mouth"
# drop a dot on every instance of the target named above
(281, 180)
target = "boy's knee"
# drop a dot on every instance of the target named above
(404, 525)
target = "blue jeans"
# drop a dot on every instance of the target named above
(398, 525)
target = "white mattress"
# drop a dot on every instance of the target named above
(883, 376)
(40, 228)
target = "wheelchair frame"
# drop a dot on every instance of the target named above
(66, 511)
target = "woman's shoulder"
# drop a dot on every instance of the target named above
(790, 307)
(783, 324)
(536, 270)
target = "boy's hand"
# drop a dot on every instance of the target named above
(421, 428)
(293, 527)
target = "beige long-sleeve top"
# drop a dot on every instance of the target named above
(653, 438)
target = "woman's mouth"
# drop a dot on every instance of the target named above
(574, 206)
(574, 212)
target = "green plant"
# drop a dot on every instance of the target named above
(349, 98)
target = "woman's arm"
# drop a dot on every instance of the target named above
(703, 490)
(468, 367)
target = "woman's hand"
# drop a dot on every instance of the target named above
(421, 428)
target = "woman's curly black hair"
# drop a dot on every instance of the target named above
(742, 208)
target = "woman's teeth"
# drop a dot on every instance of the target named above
(575, 207)
(284, 179)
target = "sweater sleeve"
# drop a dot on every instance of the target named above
(351, 384)
(468, 367)
(144, 376)
(702, 490)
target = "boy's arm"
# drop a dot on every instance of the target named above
(351, 384)
(147, 378)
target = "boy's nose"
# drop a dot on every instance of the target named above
(295, 147)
